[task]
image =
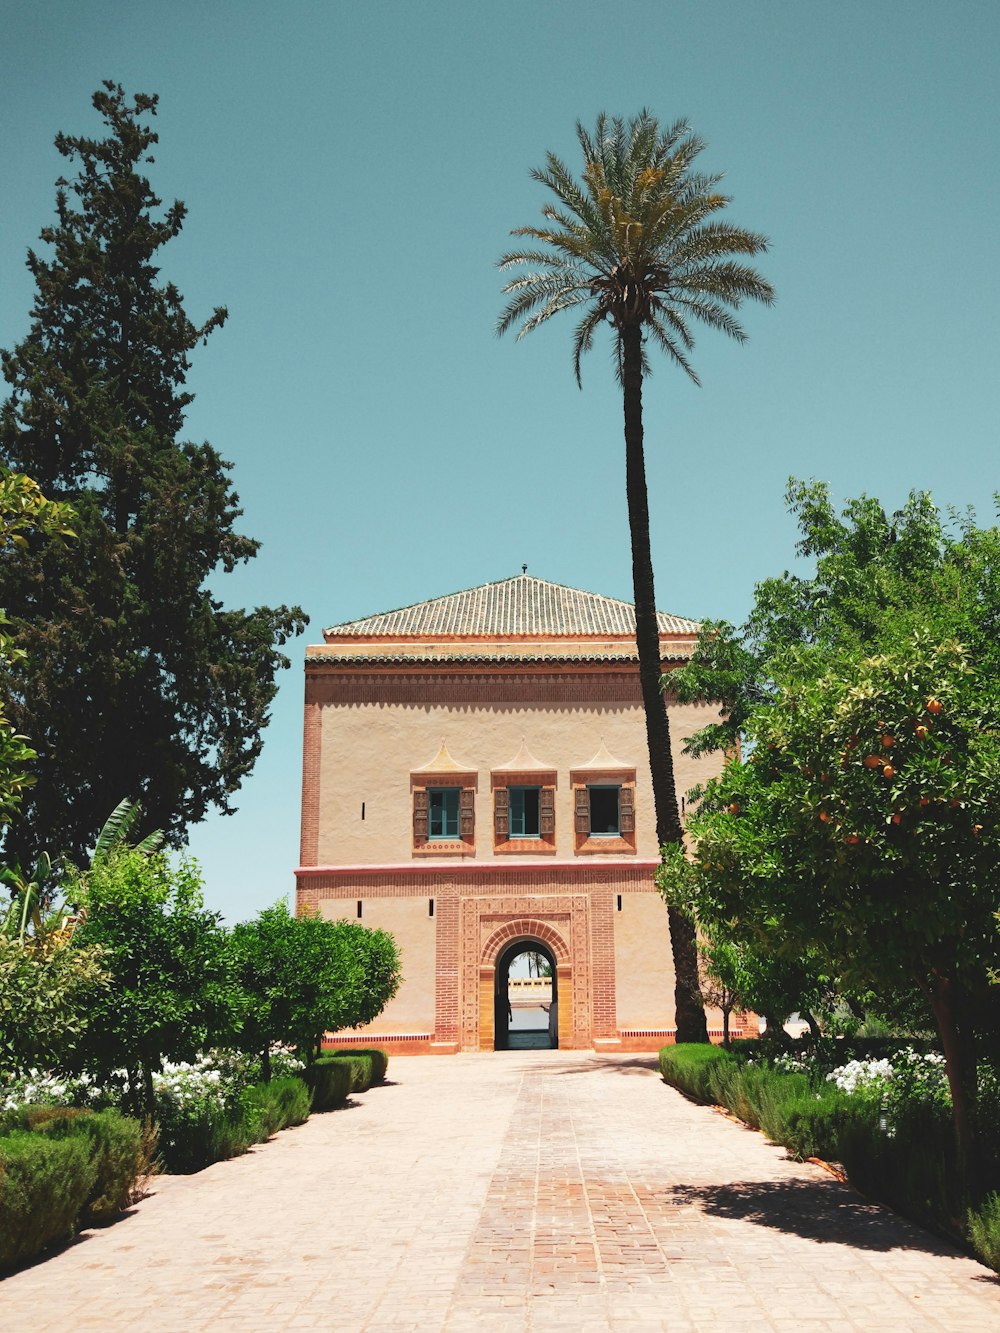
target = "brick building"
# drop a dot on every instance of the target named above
(475, 781)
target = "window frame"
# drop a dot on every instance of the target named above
(616, 787)
(463, 843)
(604, 844)
(453, 815)
(522, 791)
(507, 843)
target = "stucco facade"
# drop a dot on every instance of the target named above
(474, 778)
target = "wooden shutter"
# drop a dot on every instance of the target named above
(420, 815)
(582, 810)
(626, 809)
(501, 812)
(466, 812)
(546, 811)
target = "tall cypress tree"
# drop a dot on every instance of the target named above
(136, 681)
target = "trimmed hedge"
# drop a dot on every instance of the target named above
(910, 1165)
(117, 1148)
(361, 1069)
(193, 1137)
(330, 1082)
(368, 1065)
(282, 1102)
(44, 1184)
(786, 1107)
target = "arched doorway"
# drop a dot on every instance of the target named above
(509, 1007)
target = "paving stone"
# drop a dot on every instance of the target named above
(520, 1191)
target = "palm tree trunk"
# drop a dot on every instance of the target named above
(690, 1012)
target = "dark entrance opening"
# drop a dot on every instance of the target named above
(526, 1009)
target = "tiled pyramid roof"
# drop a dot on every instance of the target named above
(519, 605)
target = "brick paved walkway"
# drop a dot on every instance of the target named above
(539, 1190)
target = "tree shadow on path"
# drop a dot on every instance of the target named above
(824, 1211)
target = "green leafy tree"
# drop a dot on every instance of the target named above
(25, 513)
(877, 578)
(47, 990)
(305, 976)
(864, 829)
(172, 992)
(134, 678)
(739, 969)
(636, 243)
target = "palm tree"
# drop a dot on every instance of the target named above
(635, 243)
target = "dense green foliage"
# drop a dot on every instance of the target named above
(25, 514)
(635, 243)
(308, 976)
(283, 1102)
(361, 1068)
(859, 830)
(171, 991)
(330, 1080)
(117, 1147)
(134, 678)
(48, 986)
(377, 1057)
(44, 1183)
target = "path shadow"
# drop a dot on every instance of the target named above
(825, 1211)
(598, 1062)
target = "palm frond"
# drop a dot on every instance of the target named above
(583, 339)
(661, 336)
(635, 236)
(116, 828)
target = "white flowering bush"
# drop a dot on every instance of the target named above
(787, 1063)
(37, 1088)
(861, 1076)
(904, 1079)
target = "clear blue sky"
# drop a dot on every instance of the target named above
(352, 171)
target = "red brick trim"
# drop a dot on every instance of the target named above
(311, 746)
(523, 928)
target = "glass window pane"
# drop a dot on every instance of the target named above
(604, 811)
(442, 812)
(524, 806)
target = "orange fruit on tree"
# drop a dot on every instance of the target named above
(921, 732)
(933, 705)
(824, 817)
(924, 800)
(852, 838)
(888, 740)
(888, 771)
(872, 760)
(897, 818)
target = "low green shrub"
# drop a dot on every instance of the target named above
(814, 1124)
(44, 1183)
(329, 1081)
(361, 1067)
(378, 1057)
(282, 1102)
(984, 1230)
(195, 1134)
(118, 1150)
(687, 1067)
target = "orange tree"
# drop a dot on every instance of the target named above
(864, 828)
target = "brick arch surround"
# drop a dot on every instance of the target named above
(570, 964)
(525, 929)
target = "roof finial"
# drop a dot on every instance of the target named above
(524, 569)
